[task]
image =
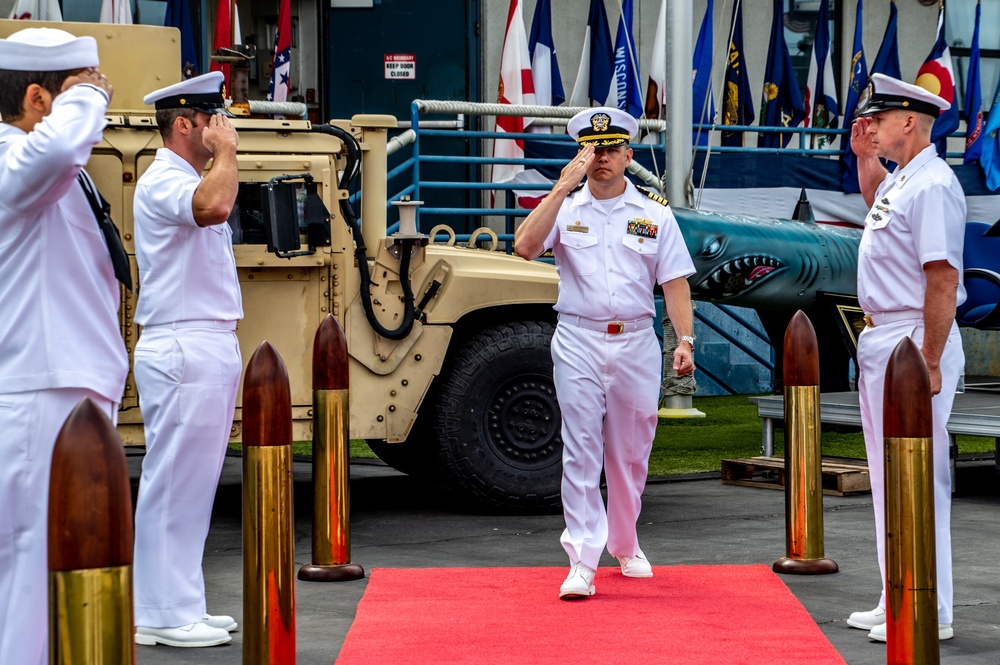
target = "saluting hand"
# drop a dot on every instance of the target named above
(219, 134)
(861, 140)
(91, 75)
(573, 172)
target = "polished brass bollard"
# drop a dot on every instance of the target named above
(910, 552)
(90, 544)
(331, 528)
(803, 461)
(268, 523)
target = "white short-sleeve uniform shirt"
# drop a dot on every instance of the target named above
(918, 216)
(186, 272)
(608, 262)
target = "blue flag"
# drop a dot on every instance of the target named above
(821, 91)
(781, 104)
(703, 101)
(937, 76)
(858, 80)
(737, 105)
(990, 157)
(628, 87)
(542, 51)
(887, 60)
(177, 17)
(596, 77)
(974, 99)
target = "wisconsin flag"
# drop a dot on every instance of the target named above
(36, 10)
(857, 82)
(974, 99)
(822, 110)
(516, 87)
(281, 68)
(595, 78)
(544, 66)
(702, 100)
(737, 106)
(937, 76)
(781, 104)
(628, 96)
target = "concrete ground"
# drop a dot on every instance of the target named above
(397, 522)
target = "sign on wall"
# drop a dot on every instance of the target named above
(400, 66)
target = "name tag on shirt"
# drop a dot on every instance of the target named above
(643, 228)
(576, 228)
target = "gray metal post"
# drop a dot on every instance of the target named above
(677, 137)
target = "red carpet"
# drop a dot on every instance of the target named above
(722, 615)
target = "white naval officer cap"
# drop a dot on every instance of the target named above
(885, 93)
(602, 127)
(201, 93)
(47, 50)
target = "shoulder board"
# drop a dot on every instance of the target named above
(653, 195)
(578, 187)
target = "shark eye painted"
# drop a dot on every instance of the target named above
(713, 248)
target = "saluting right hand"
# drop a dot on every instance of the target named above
(219, 134)
(91, 75)
(861, 140)
(573, 172)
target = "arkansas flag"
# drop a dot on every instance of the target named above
(277, 89)
(937, 76)
(516, 87)
(37, 10)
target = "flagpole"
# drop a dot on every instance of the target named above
(677, 137)
(232, 23)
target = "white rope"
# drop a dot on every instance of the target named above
(261, 107)
(396, 143)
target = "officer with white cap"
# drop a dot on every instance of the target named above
(60, 341)
(909, 269)
(612, 242)
(187, 360)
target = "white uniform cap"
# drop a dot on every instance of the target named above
(201, 93)
(47, 50)
(885, 93)
(602, 127)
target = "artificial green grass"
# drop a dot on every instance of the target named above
(730, 429)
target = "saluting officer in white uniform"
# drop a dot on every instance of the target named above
(909, 269)
(59, 335)
(612, 243)
(187, 361)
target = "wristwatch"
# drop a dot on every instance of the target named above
(687, 338)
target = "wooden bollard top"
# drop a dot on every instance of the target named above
(90, 499)
(906, 406)
(267, 400)
(330, 366)
(801, 355)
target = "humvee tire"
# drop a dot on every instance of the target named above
(497, 420)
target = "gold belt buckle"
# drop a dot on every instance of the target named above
(616, 327)
(868, 321)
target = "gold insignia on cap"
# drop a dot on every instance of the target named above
(600, 122)
(183, 102)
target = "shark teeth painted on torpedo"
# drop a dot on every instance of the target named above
(741, 273)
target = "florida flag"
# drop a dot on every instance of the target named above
(937, 76)
(37, 10)
(277, 89)
(516, 87)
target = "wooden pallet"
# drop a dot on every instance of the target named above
(840, 477)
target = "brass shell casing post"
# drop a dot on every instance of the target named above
(911, 568)
(90, 544)
(331, 528)
(268, 521)
(803, 461)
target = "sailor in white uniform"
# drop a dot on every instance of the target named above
(187, 361)
(612, 243)
(909, 268)
(60, 340)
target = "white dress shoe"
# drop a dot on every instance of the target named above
(579, 583)
(945, 632)
(191, 635)
(226, 623)
(867, 620)
(635, 566)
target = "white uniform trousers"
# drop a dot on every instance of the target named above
(608, 390)
(187, 381)
(29, 425)
(875, 346)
